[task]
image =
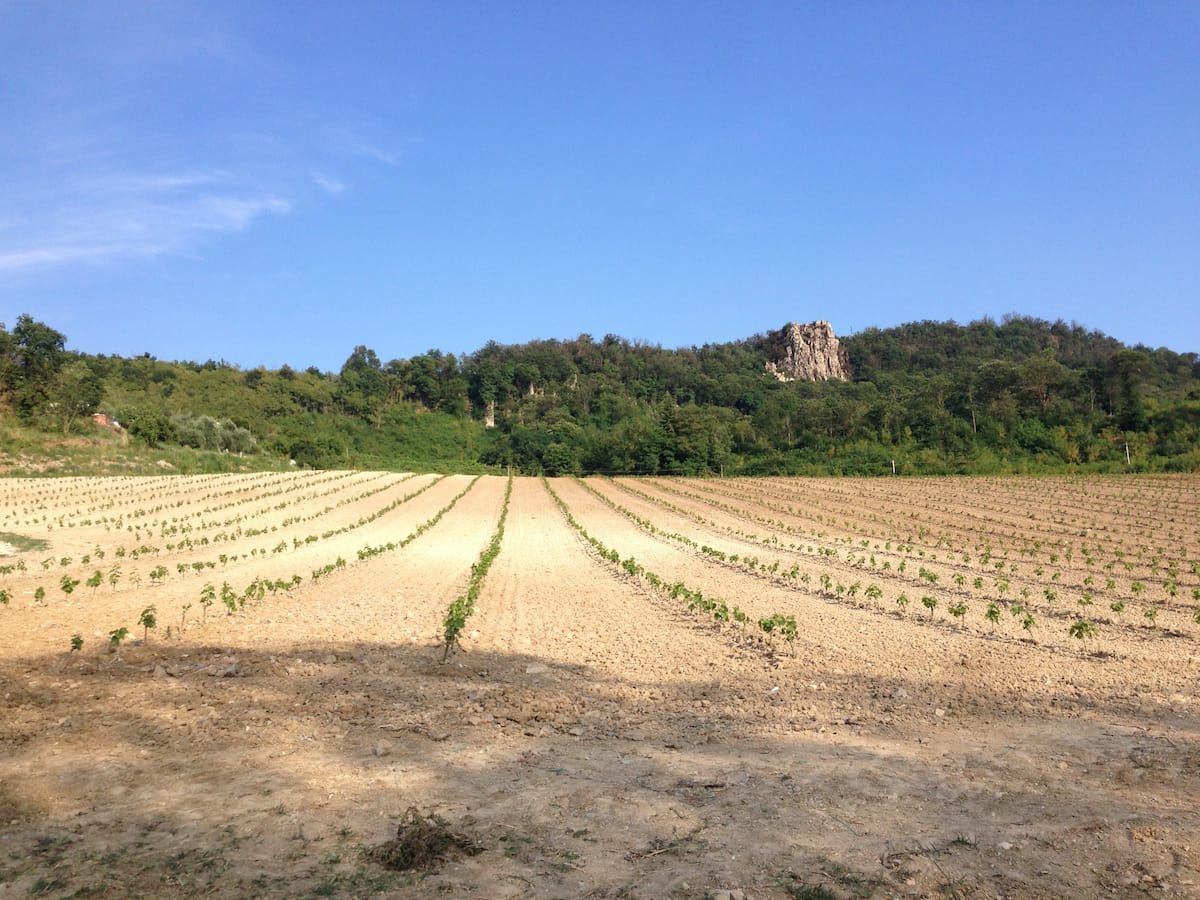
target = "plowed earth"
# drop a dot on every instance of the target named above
(594, 736)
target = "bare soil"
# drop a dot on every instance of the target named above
(595, 737)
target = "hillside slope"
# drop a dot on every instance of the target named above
(1023, 394)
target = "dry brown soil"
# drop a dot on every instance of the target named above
(593, 736)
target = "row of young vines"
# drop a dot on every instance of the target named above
(721, 610)
(463, 606)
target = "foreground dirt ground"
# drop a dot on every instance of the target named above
(595, 737)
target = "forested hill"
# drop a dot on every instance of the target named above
(1020, 395)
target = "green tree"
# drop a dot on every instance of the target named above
(362, 385)
(152, 427)
(1129, 368)
(35, 354)
(559, 459)
(74, 392)
(1042, 376)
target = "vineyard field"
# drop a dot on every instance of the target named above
(243, 685)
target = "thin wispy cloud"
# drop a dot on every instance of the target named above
(331, 186)
(379, 154)
(139, 143)
(351, 140)
(99, 217)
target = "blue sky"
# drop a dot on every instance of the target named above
(274, 183)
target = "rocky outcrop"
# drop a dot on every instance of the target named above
(806, 353)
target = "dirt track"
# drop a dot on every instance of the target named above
(596, 738)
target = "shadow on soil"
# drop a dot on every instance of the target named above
(176, 769)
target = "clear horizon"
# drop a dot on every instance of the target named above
(272, 183)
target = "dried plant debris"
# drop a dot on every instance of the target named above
(421, 842)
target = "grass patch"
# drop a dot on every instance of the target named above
(829, 880)
(678, 846)
(27, 452)
(360, 883)
(21, 543)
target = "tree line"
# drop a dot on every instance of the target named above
(1021, 394)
